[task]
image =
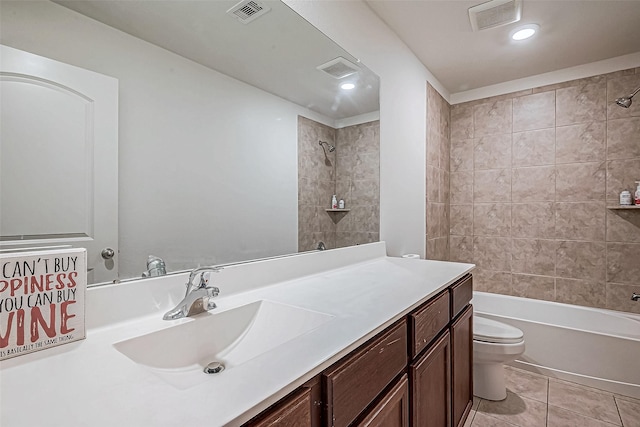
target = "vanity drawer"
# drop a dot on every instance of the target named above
(427, 321)
(461, 294)
(353, 383)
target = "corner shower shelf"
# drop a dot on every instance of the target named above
(624, 207)
(337, 210)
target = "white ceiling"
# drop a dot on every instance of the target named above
(277, 52)
(572, 33)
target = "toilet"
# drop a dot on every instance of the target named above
(494, 344)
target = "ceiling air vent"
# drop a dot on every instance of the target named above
(495, 13)
(339, 68)
(248, 10)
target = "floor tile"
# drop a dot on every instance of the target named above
(629, 411)
(559, 417)
(469, 419)
(526, 384)
(587, 401)
(482, 420)
(518, 410)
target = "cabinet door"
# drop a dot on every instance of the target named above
(352, 384)
(431, 386)
(294, 411)
(393, 409)
(462, 366)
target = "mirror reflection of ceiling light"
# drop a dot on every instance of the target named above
(347, 86)
(524, 32)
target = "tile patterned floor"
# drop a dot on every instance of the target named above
(535, 400)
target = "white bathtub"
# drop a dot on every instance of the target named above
(590, 346)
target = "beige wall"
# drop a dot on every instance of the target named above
(532, 174)
(351, 172)
(438, 167)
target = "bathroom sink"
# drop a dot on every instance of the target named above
(179, 353)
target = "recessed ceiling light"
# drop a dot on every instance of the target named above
(347, 86)
(524, 32)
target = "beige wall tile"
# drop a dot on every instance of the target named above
(461, 249)
(581, 292)
(461, 220)
(584, 142)
(623, 226)
(619, 297)
(567, 163)
(534, 256)
(461, 122)
(438, 248)
(534, 148)
(538, 287)
(461, 155)
(492, 253)
(492, 219)
(534, 184)
(533, 220)
(491, 185)
(580, 221)
(621, 175)
(623, 138)
(618, 87)
(492, 118)
(365, 192)
(581, 260)
(498, 282)
(536, 111)
(437, 220)
(623, 262)
(492, 152)
(580, 182)
(461, 187)
(581, 104)
(433, 184)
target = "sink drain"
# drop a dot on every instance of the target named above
(214, 368)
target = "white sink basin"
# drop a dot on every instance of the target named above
(179, 354)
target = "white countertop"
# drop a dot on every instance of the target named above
(89, 382)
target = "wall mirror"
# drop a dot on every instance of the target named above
(210, 100)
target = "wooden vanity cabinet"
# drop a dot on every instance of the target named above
(353, 383)
(462, 366)
(417, 372)
(393, 408)
(293, 411)
(430, 378)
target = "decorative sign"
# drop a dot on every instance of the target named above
(42, 298)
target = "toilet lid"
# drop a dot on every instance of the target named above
(489, 330)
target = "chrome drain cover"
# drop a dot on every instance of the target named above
(214, 368)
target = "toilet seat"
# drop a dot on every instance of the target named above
(491, 331)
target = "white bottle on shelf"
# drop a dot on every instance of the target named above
(334, 202)
(637, 195)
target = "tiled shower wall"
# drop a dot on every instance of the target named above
(351, 172)
(438, 147)
(532, 174)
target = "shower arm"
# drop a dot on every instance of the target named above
(634, 93)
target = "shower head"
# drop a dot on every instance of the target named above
(625, 101)
(329, 146)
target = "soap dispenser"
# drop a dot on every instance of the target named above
(637, 195)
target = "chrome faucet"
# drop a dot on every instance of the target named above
(198, 298)
(635, 297)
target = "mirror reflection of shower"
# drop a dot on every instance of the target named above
(625, 101)
(330, 147)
